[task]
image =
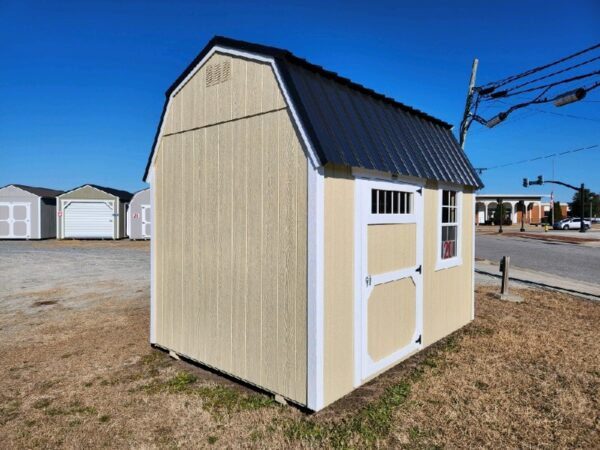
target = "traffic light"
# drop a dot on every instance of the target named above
(525, 182)
(540, 180)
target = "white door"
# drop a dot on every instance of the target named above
(89, 219)
(389, 271)
(146, 222)
(15, 220)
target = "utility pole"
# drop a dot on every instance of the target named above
(552, 193)
(466, 120)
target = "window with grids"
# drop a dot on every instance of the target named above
(391, 202)
(449, 224)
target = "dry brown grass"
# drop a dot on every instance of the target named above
(522, 375)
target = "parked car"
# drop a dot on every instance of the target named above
(572, 223)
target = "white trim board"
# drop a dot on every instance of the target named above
(152, 260)
(312, 155)
(315, 308)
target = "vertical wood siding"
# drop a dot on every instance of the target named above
(447, 292)
(231, 209)
(338, 364)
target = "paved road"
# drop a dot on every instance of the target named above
(567, 260)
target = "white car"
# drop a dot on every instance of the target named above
(571, 224)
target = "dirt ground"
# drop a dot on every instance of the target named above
(76, 371)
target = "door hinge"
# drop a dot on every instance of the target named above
(418, 341)
(419, 269)
(368, 280)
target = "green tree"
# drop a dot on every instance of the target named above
(499, 213)
(590, 199)
(557, 212)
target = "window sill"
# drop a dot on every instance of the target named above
(442, 264)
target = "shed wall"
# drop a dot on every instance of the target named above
(135, 207)
(447, 294)
(338, 360)
(231, 231)
(14, 194)
(48, 218)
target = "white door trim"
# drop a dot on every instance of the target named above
(144, 221)
(364, 367)
(11, 219)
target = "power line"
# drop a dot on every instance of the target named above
(507, 80)
(571, 116)
(537, 158)
(508, 93)
(550, 75)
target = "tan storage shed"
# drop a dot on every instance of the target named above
(27, 212)
(308, 233)
(139, 217)
(92, 212)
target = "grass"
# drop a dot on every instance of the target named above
(372, 423)
(215, 398)
(521, 375)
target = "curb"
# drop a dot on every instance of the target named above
(543, 285)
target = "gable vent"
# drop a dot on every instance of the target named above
(218, 73)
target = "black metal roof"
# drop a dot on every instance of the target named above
(123, 195)
(39, 191)
(352, 125)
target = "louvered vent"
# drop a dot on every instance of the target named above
(218, 73)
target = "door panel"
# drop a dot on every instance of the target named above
(20, 212)
(4, 212)
(15, 220)
(4, 229)
(391, 304)
(389, 253)
(89, 219)
(146, 221)
(391, 246)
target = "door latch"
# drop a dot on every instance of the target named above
(368, 280)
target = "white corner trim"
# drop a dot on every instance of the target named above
(315, 310)
(312, 155)
(39, 219)
(152, 259)
(473, 262)
(441, 264)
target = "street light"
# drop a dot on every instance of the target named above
(581, 189)
(570, 97)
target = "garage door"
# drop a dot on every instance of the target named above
(15, 220)
(89, 219)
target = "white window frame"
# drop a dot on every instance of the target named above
(455, 261)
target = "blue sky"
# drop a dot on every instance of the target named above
(83, 82)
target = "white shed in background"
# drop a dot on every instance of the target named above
(139, 216)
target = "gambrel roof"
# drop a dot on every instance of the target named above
(352, 125)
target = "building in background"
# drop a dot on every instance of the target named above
(27, 212)
(92, 212)
(139, 216)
